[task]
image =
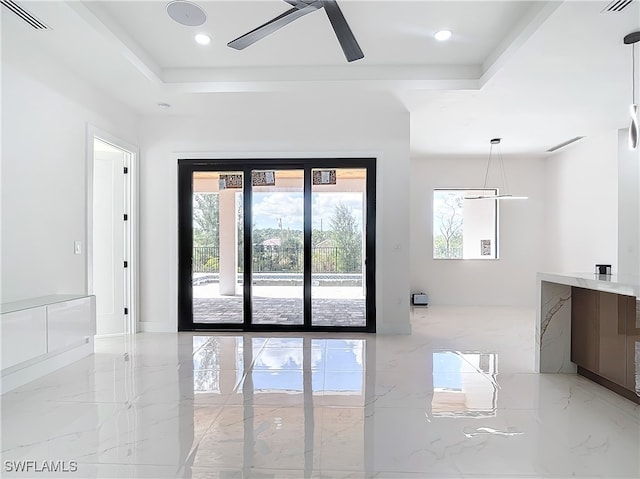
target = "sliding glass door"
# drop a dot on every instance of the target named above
(277, 245)
(217, 259)
(338, 270)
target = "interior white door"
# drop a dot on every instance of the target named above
(109, 238)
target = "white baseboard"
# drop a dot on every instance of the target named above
(393, 328)
(153, 327)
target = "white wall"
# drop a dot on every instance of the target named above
(509, 280)
(45, 111)
(582, 205)
(628, 207)
(276, 125)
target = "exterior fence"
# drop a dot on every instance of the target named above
(270, 259)
(453, 252)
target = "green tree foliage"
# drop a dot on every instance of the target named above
(206, 219)
(285, 256)
(448, 215)
(323, 259)
(318, 236)
(347, 238)
(343, 255)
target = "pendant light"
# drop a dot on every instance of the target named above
(505, 195)
(632, 39)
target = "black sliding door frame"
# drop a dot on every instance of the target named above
(186, 169)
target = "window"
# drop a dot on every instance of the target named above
(464, 228)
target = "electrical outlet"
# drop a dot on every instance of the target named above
(77, 247)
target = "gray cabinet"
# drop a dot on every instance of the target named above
(632, 381)
(584, 328)
(605, 337)
(612, 341)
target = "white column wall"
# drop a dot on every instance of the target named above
(628, 207)
(228, 242)
(45, 113)
(582, 205)
(277, 125)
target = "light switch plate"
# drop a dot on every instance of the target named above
(77, 247)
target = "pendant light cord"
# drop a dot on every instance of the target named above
(633, 74)
(486, 175)
(503, 175)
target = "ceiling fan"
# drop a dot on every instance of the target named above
(300, 8)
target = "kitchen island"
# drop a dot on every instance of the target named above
(590, 324)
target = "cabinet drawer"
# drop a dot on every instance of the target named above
(612, 360)
(70, 322)
(24, 335)
(632, 381)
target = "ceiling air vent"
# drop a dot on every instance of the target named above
(564, 143)
(24, 15)
(616, 6)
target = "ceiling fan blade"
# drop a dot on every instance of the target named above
(272, 25)
(345, 36)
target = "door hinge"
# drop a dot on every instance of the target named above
(126, 217)
(126, 170)
(126, 310)
(126, 264)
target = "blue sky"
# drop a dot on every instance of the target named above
(268, 208)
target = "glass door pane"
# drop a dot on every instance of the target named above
(338, 216)
(217, 258)
(277, 219)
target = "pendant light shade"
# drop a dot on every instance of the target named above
(632, 39)
(503, 192)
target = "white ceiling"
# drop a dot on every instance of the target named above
(390, 32)
(534, 73)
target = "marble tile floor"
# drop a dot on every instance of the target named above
(456, 398)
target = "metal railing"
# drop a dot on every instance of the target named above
(274, 259)
(453, 252)
(206, 259)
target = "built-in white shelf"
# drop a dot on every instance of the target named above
(40, 335)
(29, 303)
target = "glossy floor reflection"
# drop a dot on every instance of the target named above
(457, 398)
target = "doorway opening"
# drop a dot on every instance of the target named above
(277, 245)
(111, 236)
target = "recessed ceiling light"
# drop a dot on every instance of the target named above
(186, 13)
(202, 38)
(164, 105)
(443, 35)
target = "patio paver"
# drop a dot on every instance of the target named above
(280, 311)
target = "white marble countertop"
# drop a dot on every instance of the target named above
(13, 306)
(627, 285)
